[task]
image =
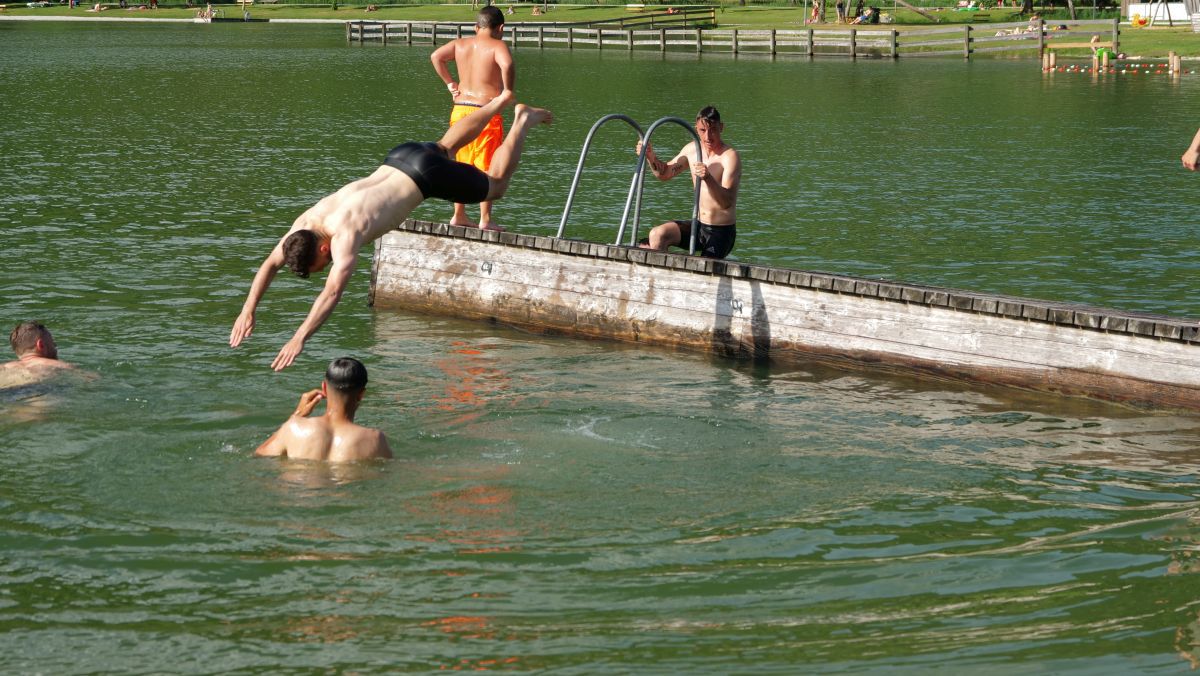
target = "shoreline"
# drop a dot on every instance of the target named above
(1140, 44)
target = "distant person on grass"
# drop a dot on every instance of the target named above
(337, 227)
(485, 68)
(719, 171)
(333, 436)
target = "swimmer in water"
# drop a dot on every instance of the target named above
(337, 227)
(36, 350)
(333, 436)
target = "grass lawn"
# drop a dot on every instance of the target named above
(1146, 42)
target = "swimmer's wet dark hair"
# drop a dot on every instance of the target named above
(25, 336)
(299, 251)
(346, 375)
(489, 17)
(709, 114)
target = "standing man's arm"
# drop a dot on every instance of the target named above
(1192, 157)
(723, 192)
(441, 58)
(276, 444)
(244, 325)
(508, 69)
(344, 259)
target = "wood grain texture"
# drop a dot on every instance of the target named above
(740, 310)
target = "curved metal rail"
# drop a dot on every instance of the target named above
(636, 186)
(579, 170)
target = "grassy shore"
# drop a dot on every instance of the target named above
(1145, 42)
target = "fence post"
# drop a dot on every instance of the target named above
(458, 30)
(772, 42)
(384, 25)
(408, 33)
(895, 43)
(1041, 29)
(810, 43)
(967, 41)
(734, 45)
(570, 37)
(662, 40)
(541, 36)
(1116, 36)
(699, 40)
(854, 43)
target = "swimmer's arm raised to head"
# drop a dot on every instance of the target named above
(276, 444)
(243, 327)
(344, 259)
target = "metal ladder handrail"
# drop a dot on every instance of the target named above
(579, 169)
(636, 185)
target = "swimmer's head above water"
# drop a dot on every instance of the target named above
(346, 375)
(33, 338)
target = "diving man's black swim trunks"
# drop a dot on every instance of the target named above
(437, 175)
(712, 241)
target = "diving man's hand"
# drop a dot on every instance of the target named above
(242, 329)
(288, 354)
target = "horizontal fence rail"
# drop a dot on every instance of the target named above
(873, 41)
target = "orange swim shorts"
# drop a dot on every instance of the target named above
(478, 153)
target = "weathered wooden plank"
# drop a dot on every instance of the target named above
(735, 308)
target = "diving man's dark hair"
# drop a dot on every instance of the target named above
(490, 17)
(346, 375)
(299, 251)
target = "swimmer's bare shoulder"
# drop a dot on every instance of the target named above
(364, 443)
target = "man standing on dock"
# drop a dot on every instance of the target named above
(485, 68)
(719, 171)
(337, 227)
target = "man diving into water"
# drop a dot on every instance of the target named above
(337, 227)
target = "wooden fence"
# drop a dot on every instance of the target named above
(875, 41)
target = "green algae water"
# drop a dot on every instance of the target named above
(563, 505)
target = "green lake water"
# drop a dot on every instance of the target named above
(562, 505)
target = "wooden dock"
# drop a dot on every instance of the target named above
(738, 309)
